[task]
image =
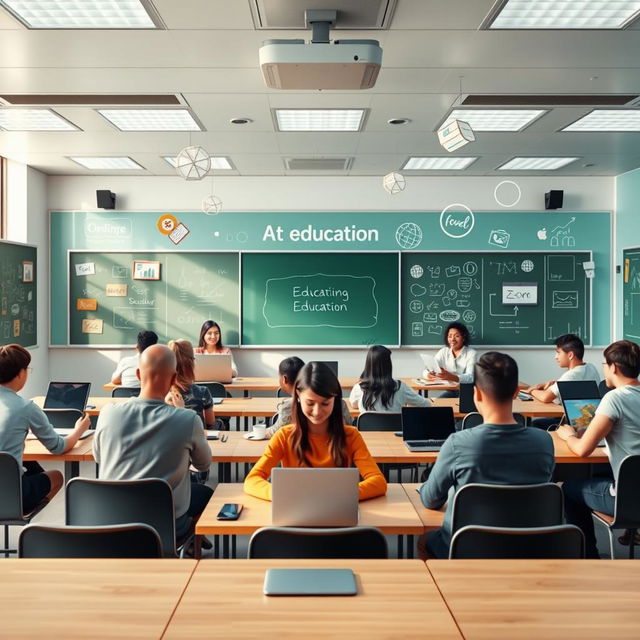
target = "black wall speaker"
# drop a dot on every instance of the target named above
(107, 200)
(553, 199)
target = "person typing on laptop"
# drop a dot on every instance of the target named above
(318, 437)
(210, 341)
(17, 416)
(499, 451)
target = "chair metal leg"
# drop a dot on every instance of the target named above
(6, 540)
(632, 540)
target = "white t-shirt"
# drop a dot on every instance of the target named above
(584, 371)
(126, 371)
(403, 396)
(462, 366)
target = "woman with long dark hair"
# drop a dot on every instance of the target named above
(210, 341)
(378, 391)
(318, 437)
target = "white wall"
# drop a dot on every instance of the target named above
(305, 194)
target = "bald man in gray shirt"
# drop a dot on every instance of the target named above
(147, 438)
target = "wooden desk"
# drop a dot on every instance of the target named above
(396, 599)
(82, 452)
(528, 408)
(393, 514)
(431, 518)
(538, 599)
(78, 599)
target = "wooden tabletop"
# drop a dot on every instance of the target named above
(396, 599)
(431, 518)
(539, 599)
(70, 598)
(35, 450)
(393, 514)
(528, 408)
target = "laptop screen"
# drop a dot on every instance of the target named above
(580, 412)
(67, 395)
(427, 423)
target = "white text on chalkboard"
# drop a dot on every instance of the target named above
(349, 233)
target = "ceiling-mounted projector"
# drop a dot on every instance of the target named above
(320, 63)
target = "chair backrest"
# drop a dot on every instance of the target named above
(561, 542)
(10, 488)
(493, 505)
(125, 392)
(379, 421)
(281, 393)
(106, 502)
(63, 418)
(295, 542)
(116, 541)
(471, 420)
(627, 506)
(216, 389)
(519, 418)
(603, 389)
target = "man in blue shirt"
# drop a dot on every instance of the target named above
(499, 451)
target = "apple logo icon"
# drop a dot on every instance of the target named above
(542, 234)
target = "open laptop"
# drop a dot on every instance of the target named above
(467, 405)
(426, 428)
(303, 497)
(580, 399)
(332, 364)
(213, 367)
(66, 395)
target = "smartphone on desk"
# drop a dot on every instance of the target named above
(229, 511)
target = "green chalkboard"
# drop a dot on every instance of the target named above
(631, 294)
(109, 304)
(320, 299)
(18, 294)
(504, 298)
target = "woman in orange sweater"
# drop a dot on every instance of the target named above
(317, 437)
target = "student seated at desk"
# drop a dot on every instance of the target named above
(499, 451)
(125, 373)
(617, 420)
(318, 437)
(378, 391)
(288, 371)
(210, 341)
(17, 416)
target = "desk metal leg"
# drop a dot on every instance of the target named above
(400, 546)
(410, 546)
(225, 546)
(233, 547)
(197, 547)
(71, 470)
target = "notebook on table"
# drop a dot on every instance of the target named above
(304, 497)
(310, 582)
(213, 367)
(427, 428)
(66, 395)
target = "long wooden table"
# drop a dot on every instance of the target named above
(82, 452)
(396, 599)
(540, 599)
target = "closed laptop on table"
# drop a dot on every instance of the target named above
(426, 428)
(213, 367)
(310, 582)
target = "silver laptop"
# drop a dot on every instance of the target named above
(213, 367)
(302, 497)
(310, 582)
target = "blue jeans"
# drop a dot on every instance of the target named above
(580, 498)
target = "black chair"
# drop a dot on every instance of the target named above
(493, 505)
(11, 499)
(281, 393)
(603, 389)
(519, 418)
(216, 389)
(471, 420)
(108, 502)
(379, 421)
(476, 542)
(63, 418)
(294, 542)
(125, 392)
(626, 514)
(115, 541)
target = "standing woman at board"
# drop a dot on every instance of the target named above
(210, 341)
(455, 359)
(378, 391)
(318, 437)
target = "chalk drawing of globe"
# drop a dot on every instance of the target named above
(416, 271)
(416, 306)
(527, 266)
(408, 235)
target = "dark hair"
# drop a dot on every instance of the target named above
(570, 342)
(496, 374)
(318, 377)
(146, 339)
(461, 329)
(290, 368)
(206, 325)
(13, 359)
(626, 356)
(376, 380)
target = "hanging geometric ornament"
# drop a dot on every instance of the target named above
(193, 163)
(394, 183)
(212, 205)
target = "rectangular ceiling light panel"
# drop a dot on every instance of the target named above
(563, 14)
(437, 163)
(319, 119)
(151, 119)
(84, 14)
(607, 120)
(218, 163)
(106, 162)
(33, 120)
(536, 164)
(496, 119)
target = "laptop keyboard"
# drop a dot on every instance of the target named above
(425, 443)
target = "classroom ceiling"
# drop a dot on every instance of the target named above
(208, 57)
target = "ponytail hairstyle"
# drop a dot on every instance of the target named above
(376, 380)
(184, 363)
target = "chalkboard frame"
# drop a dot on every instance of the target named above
(625, 334)
(588, 344)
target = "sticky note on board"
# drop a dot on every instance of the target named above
(92, 325)
(626, 270)
(86, 269)
(116, 290)
(86, 304)
(16, 328)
